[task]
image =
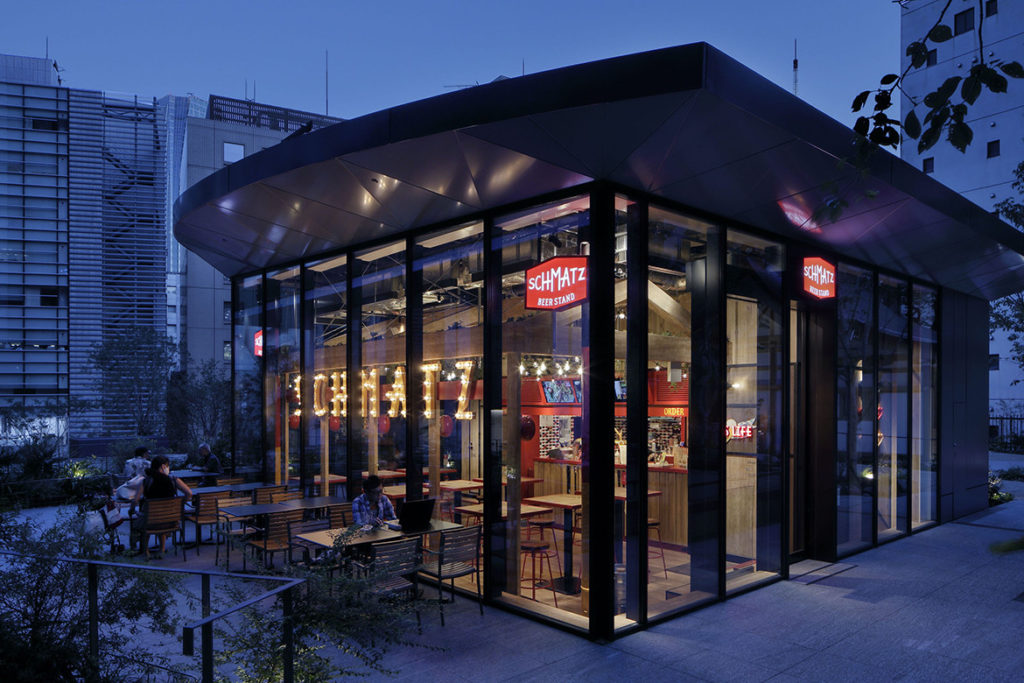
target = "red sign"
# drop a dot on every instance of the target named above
(257, 343)
(739, 430)
(819, 278)
(557, 283)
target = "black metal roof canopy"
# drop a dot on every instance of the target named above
(686, 123)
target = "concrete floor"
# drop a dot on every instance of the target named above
(936, 606)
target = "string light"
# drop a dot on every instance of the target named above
(463, 412)
(297, 388)
(368, 390)
(429, 372)
(339, 394)
(319, 380)
(397, 394)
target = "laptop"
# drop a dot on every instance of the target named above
(415, 516)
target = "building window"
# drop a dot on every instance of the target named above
(992, 149)
(233, 152)
(227, 312)
(963, 22)
(928, 165)
(933, 57)
(991, 7)
(227, 351)
(993, 361)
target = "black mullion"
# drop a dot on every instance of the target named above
(416, 449)
(876, 372)
(306, 389)
(263, 375)
(911, 299)
(598, 466)
(235, 286)
(353, 366)
(495, 548)
(636, 412)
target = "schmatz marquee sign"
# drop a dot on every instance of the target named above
(557, 283)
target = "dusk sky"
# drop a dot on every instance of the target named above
(383, 54)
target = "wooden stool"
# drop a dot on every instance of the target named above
(537, 550)
(654, 524)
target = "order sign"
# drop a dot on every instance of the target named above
(557, 283)
(819, 278)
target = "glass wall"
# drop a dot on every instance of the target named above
(924, 405)
(543, 465)
(292, 365)
(282, 386)
(450, 266)
(677, 246)
(855, 407)
(247, 357)
(892, 407)
(325, 378)
(755, 367)
(379, 280)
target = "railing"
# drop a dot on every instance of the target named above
(206, 623)
(1006, 433)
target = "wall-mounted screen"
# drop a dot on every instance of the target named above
(558, 391)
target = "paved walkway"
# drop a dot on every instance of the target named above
(936, 606)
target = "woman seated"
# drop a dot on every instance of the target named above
(158, 483)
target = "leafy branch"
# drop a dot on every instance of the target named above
(944, 112)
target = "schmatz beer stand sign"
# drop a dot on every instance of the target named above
(819, 278)
(557, 283)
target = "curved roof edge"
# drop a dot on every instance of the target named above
(688, 123)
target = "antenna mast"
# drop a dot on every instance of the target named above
(327, 111)
(796, 65)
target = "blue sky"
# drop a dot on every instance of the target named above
(385, 53)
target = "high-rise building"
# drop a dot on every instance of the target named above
(993, 31)
(34, 242)
(83, 223)
(215, 133)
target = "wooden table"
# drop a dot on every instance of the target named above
(251, 486)
(253, 510)
(457, 486)
(332, 481)
(313, 503)
(568, 503)
(325, 538)
(189, 474)
(524, 510)
(620, 518)
(387, 474)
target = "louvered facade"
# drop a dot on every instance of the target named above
(117, 243)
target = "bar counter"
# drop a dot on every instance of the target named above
(670, 508)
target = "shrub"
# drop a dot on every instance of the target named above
(996, 496)
(1015, 473)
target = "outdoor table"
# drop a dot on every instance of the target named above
(253, 510)
(188, 474)
(313, 503)
(250, 486)
(426, 471)
(325, 538)
(568, 503)
(523, 481)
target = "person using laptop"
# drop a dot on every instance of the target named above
(372, 507)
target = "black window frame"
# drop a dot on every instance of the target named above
(991, 7)
(992, 149)
(928, 165)
(963, 22)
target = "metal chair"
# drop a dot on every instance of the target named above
(162, 517)
(231, 529)
(394, 568)
(205, 513)
(309, 550)
(275, 537)
(340, 515)
(458, 555)
(263, 495)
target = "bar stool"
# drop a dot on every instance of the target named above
(653, 523)
(538, 551)
(540, 525)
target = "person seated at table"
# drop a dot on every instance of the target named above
(372, 507)
(210, 464)
(158, 483)
(135, 470)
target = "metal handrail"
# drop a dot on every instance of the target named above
(206, 623)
